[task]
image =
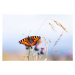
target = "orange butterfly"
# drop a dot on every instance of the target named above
(30, 41)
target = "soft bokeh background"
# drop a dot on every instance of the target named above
(16, 25)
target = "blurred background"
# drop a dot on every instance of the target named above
(17, 27)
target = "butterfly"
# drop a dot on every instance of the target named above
(30, 40)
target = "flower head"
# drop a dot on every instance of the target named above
(42, 50)
(39, 53)
(27, 47)
(37, 47)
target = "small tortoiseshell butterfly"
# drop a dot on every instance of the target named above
(30, 40)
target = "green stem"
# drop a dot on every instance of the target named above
(68, 58)
(28, 54)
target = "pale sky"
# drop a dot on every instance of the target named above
(16, 25)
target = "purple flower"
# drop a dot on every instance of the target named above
(42, 50)
(39, 53)
(37, 47)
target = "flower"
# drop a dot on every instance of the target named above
(27, 47)
(31, 49)
(42, 50)
(37, 47)
(38, 53)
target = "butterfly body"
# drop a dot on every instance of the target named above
(30, 40)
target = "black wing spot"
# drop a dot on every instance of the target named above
(23, 39)
(20, 42)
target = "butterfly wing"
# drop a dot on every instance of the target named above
(24, 41)
(35, 38)
(30, 41)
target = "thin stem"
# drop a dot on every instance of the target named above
(46, 50)
(68, 57)
(38, 56)
(29, 53)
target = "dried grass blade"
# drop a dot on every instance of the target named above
(54, 51)
(50, 41)
(45, 40)
(60, 25)
(58, 39)
(52, 26)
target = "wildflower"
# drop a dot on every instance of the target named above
(42, 50)
(38, 53)
(27, 47)
(31, 47)
(37, 47)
